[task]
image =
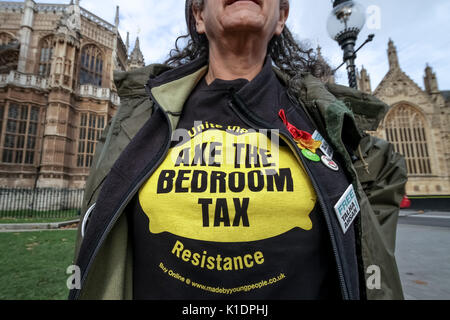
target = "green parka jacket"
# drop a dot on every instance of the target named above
(379, 174)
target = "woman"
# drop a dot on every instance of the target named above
(238, 180)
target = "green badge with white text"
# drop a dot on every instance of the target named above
(310, 155)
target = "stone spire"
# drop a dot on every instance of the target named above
(363, 79)
(329, 79)
(128, 43)
(136, 59)
(319, 52)
(117, 19)
(392, 56)
(430, 81)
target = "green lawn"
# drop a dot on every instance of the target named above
(36, 220)
(33, 214)
(33, 264)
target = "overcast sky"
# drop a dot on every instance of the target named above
(420, 30)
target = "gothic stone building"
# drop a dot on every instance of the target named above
(56, 90)
(418, 126)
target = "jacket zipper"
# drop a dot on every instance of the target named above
(258, 124)
(147, 172)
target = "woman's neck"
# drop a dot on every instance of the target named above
(238, 59)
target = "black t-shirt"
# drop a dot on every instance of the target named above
(229, 214)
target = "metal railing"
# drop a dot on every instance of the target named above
(18, 203)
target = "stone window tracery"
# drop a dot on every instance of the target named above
(46, 55)
(91, 67)
(406, 130)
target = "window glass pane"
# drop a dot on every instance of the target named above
(83, 119)
(11, 126)
(88, 161)
(7, 156)
(13, 111)
(9, 141)
(19, 156)
(101, 122)
(23, 112)
(22, 127)
(80, 161)
(29, 157)
(82, 133)
(20, 142)
(31, 143)
(34, 115)
(32, 129)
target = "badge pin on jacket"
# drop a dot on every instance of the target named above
(329, 163)
(310, 143)
(304, 139)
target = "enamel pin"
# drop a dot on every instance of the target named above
(329, 163)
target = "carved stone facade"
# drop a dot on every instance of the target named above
(56, 91)
(417, 124)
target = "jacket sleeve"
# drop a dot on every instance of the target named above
(383, 175)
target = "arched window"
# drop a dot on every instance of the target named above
(405, 129)
(5, 38)
(91, 66)
(45, 60)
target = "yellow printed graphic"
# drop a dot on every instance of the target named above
(224, 187)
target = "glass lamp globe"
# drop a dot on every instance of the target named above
(346, 17)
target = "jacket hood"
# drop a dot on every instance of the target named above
(132, 83)
(369, 111)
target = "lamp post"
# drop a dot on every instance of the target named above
(344, 25)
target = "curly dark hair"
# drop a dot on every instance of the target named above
(289, 55)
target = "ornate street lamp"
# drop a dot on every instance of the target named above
(344, 25)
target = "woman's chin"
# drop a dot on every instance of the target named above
(243, 23)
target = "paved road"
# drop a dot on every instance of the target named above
(423, 256)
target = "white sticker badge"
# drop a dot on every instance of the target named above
(325, 147)
(347, 208)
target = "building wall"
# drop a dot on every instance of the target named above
(417, 125)
(62, 100)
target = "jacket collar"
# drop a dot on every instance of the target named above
(172, 88)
